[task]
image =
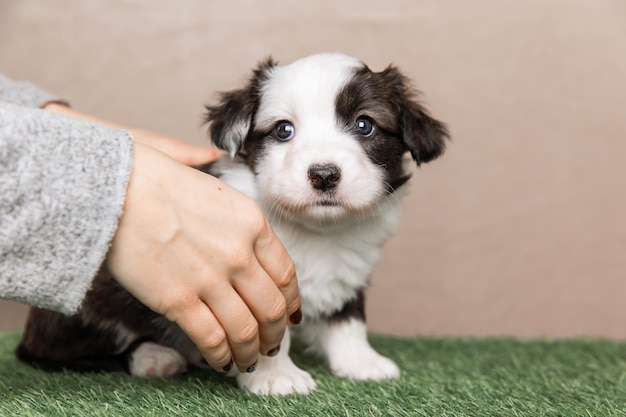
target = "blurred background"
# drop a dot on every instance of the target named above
(519, 229)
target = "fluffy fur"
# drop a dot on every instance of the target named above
(320, 144)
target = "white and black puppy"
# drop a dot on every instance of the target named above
(320, 144)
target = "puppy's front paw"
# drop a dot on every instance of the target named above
(281, 378)
(151, 360)
(366, 364)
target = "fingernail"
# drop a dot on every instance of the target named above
(273, 352)
(227, 367)
(252, 367)
(296, 317)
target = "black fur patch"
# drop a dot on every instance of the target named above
(236, 108)
(83, 342)
(55, 342)
(353, 309)
(401, 123)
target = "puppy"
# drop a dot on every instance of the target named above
(320, 144)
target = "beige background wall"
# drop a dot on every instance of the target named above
(520, 229)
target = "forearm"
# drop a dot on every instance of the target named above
(62, 189)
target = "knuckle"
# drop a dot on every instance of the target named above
(176, 305)
(287, 275)
(241, 260)
(276, 312)
(248, 334)
(214, 340)
(255, 220)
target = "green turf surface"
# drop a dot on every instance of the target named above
(440, 377)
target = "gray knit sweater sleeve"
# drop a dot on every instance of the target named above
(62, 188)
(24, 93)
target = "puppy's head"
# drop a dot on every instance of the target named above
(325, 136)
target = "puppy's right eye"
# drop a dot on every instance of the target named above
(285, 131)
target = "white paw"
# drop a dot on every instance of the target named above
(364, 365)
(277, 379)
(151, 360)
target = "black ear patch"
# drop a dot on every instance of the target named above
(232, 118)
(423, 135)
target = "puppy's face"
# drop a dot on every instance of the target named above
(325, 135)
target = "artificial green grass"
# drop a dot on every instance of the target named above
(440, 377)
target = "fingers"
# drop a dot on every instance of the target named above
(203, 328)
(178, 150)
(268, 306)
(224, 334)
(239, 324)
(190, 154)
(275, 260)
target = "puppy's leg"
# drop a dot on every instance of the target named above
(342, 340)
(277, 375)
(54, 342)
(151, 360)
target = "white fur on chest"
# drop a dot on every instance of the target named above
(333, 266)
(333, 262)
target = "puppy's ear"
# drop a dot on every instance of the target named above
(424, 136)
(231, 119)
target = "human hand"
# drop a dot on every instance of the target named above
(181, 151)
(202, 254)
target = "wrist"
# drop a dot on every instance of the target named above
(149, 213)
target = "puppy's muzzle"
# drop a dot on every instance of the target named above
(324, 177)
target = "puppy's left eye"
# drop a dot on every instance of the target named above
(364, 126)
(285, 131)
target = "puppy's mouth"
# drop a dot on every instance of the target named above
(326, 203)
(318, 207)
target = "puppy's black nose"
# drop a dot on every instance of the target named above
(324, 177)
